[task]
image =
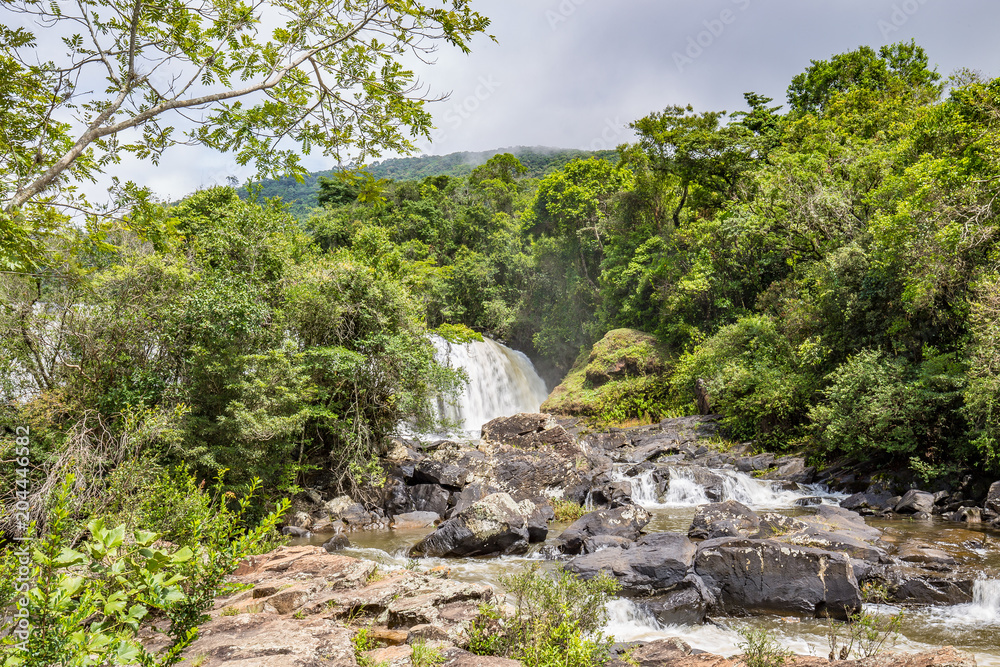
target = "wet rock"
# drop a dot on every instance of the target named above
(430, 471)
(527, 430)
(809, 501)
(430, 498)
(295, 531)
(659, 652)
(915, 502)
(492, 525)
(413, 520)
(867, 502)
(396, 497)
(967, 515)
(472, 493)
(337, 542)
(725, 519)
(711, 482)
(602, 542)
(538, 515)
(626, 521)
(919, 587)
(749, 576)
(755, 463)
(792, 469)
(925, 555)
(686, 604)
(613, 494)
(993, 498)
(655, 563)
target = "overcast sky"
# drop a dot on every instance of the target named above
(574, 73)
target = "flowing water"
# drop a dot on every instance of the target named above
(503, 382)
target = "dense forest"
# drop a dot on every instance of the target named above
(827, 271)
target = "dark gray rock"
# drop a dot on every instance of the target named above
(602, 542)
(749, 576)
(337, 542)
(752, 463)
(725, 519)
(470, 494)
(430, 498)
(993, 498)
(967, 515)
(537, 519)
(396, 497)
(295, 531)
(355, 515)
(527, 430)
(915, 502)
(626, 521)
(792, 469)
(655, 563)
(494, 525)
(429, 471)
(867, 502)
(686, 604)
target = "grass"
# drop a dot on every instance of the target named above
(424, 655)
(230, 611)
(567, 511)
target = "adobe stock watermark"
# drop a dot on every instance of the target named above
(609, 139)
(901, 14)
(703, 40)
(562, 12)
(21, 622)
(462, 110)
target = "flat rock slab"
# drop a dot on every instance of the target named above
(655, 563)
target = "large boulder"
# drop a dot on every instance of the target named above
(915, 502)
(626, 521)
(656, 563)
(749, 576)
(430, 471)
(493, 525)
(526, 430)
(993, 498)
(725, 519)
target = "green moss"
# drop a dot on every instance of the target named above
(621, 378)
(458, 334)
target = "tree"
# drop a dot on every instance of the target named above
(325, 76)
(901, 66)
(694, 148)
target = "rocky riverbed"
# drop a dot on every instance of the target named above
(674, 517)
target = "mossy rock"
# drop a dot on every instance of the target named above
(621, 377)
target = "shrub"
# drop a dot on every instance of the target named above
(754, 378)
(556, 620)
(567, 511)
(878, 405)
(760, 649)
(115, 579)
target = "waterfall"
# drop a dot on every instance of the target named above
(502, 382)
(985, 605)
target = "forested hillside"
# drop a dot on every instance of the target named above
(827, 270)
(301, 197)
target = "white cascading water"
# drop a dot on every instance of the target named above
(985, 605)
(502, 382)
(684, 491)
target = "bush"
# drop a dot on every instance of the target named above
(760, 649)
(878, 406)
(87, 602)
(754, 378)
(556, 620)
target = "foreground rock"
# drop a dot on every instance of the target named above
(749, 576)
(494, 525)
(674, 653)
(297, 599)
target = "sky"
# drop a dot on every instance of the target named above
(575, 73)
